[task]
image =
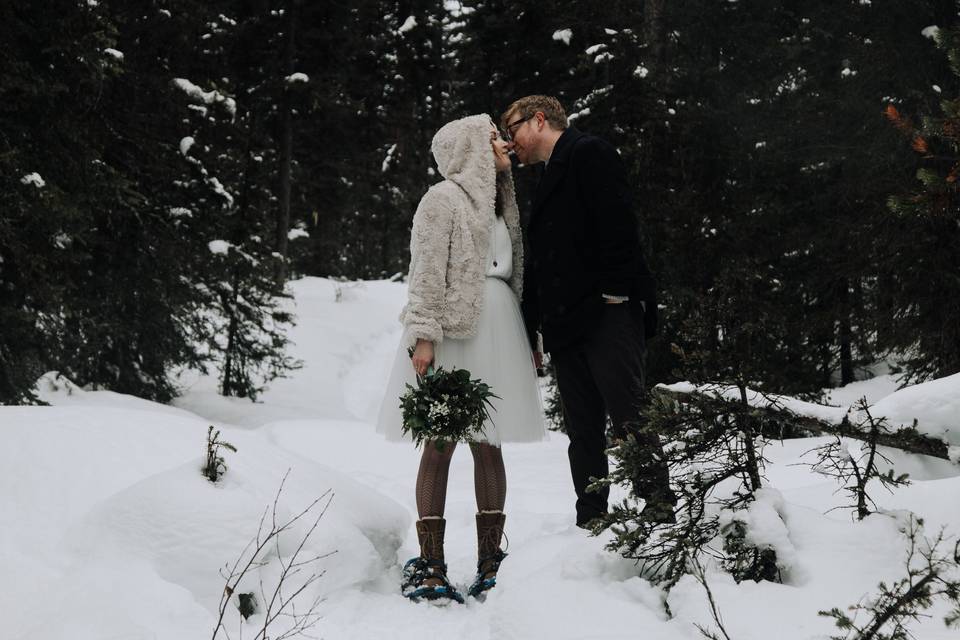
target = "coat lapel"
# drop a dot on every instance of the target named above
(556, 168)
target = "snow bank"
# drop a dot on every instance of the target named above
(934, 404)
(188, 528)
(347, 344)
(110, 527)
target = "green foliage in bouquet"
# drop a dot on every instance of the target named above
(446, 406)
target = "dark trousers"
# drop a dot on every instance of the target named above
(604, 374)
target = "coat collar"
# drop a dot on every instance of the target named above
(557, 166)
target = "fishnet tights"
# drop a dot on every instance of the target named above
(489, 478)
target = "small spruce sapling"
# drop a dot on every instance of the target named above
(708, 440)
(744, 560)
(215, 466)
(932, 574)
(855, 471)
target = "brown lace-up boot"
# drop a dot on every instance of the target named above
(489, 534)
(425, 577)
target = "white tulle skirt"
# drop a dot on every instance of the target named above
(499, 354)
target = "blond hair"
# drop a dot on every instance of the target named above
(527, 106)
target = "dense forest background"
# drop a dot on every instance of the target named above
(167, 165)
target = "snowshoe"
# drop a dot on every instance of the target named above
(486, 578)
(427, 580)
(490, 555)
(425, 577)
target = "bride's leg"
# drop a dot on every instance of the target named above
(426, 576)
(489, 477)
(490, 484)
(432, 479)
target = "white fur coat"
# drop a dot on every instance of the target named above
(450, 241)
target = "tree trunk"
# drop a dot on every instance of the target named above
(753, 466)
(653, 34)
(286, 143)
(228, 381)
(846, 335)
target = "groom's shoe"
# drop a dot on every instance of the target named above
(591, 521)
(661, 504)
(590, 507)
(659, 513)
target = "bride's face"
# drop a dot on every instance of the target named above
(500, 157)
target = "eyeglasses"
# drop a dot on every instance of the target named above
(510, 128)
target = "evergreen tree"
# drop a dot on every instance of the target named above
(231, 162)
(382, 93)
(921, 289)
(131, 320)
(53, 67)
(106, 270)
(766, 157)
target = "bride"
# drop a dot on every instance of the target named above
(465, 283)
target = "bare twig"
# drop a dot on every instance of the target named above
(701, 576)
(281, 603)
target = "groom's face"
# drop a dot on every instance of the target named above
(523, 139)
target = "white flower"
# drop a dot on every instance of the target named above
(438, 410)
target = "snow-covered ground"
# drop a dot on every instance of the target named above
(108, 530)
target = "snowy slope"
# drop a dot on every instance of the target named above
(109, 531)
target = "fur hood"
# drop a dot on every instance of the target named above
(462, 151)
(450, 240)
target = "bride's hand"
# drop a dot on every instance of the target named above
(422, 356)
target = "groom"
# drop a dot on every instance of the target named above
(589, 293)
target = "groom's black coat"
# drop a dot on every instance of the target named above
(582, 242)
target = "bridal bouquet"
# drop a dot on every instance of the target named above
(446, 406)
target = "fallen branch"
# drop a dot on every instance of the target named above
(907, 439)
